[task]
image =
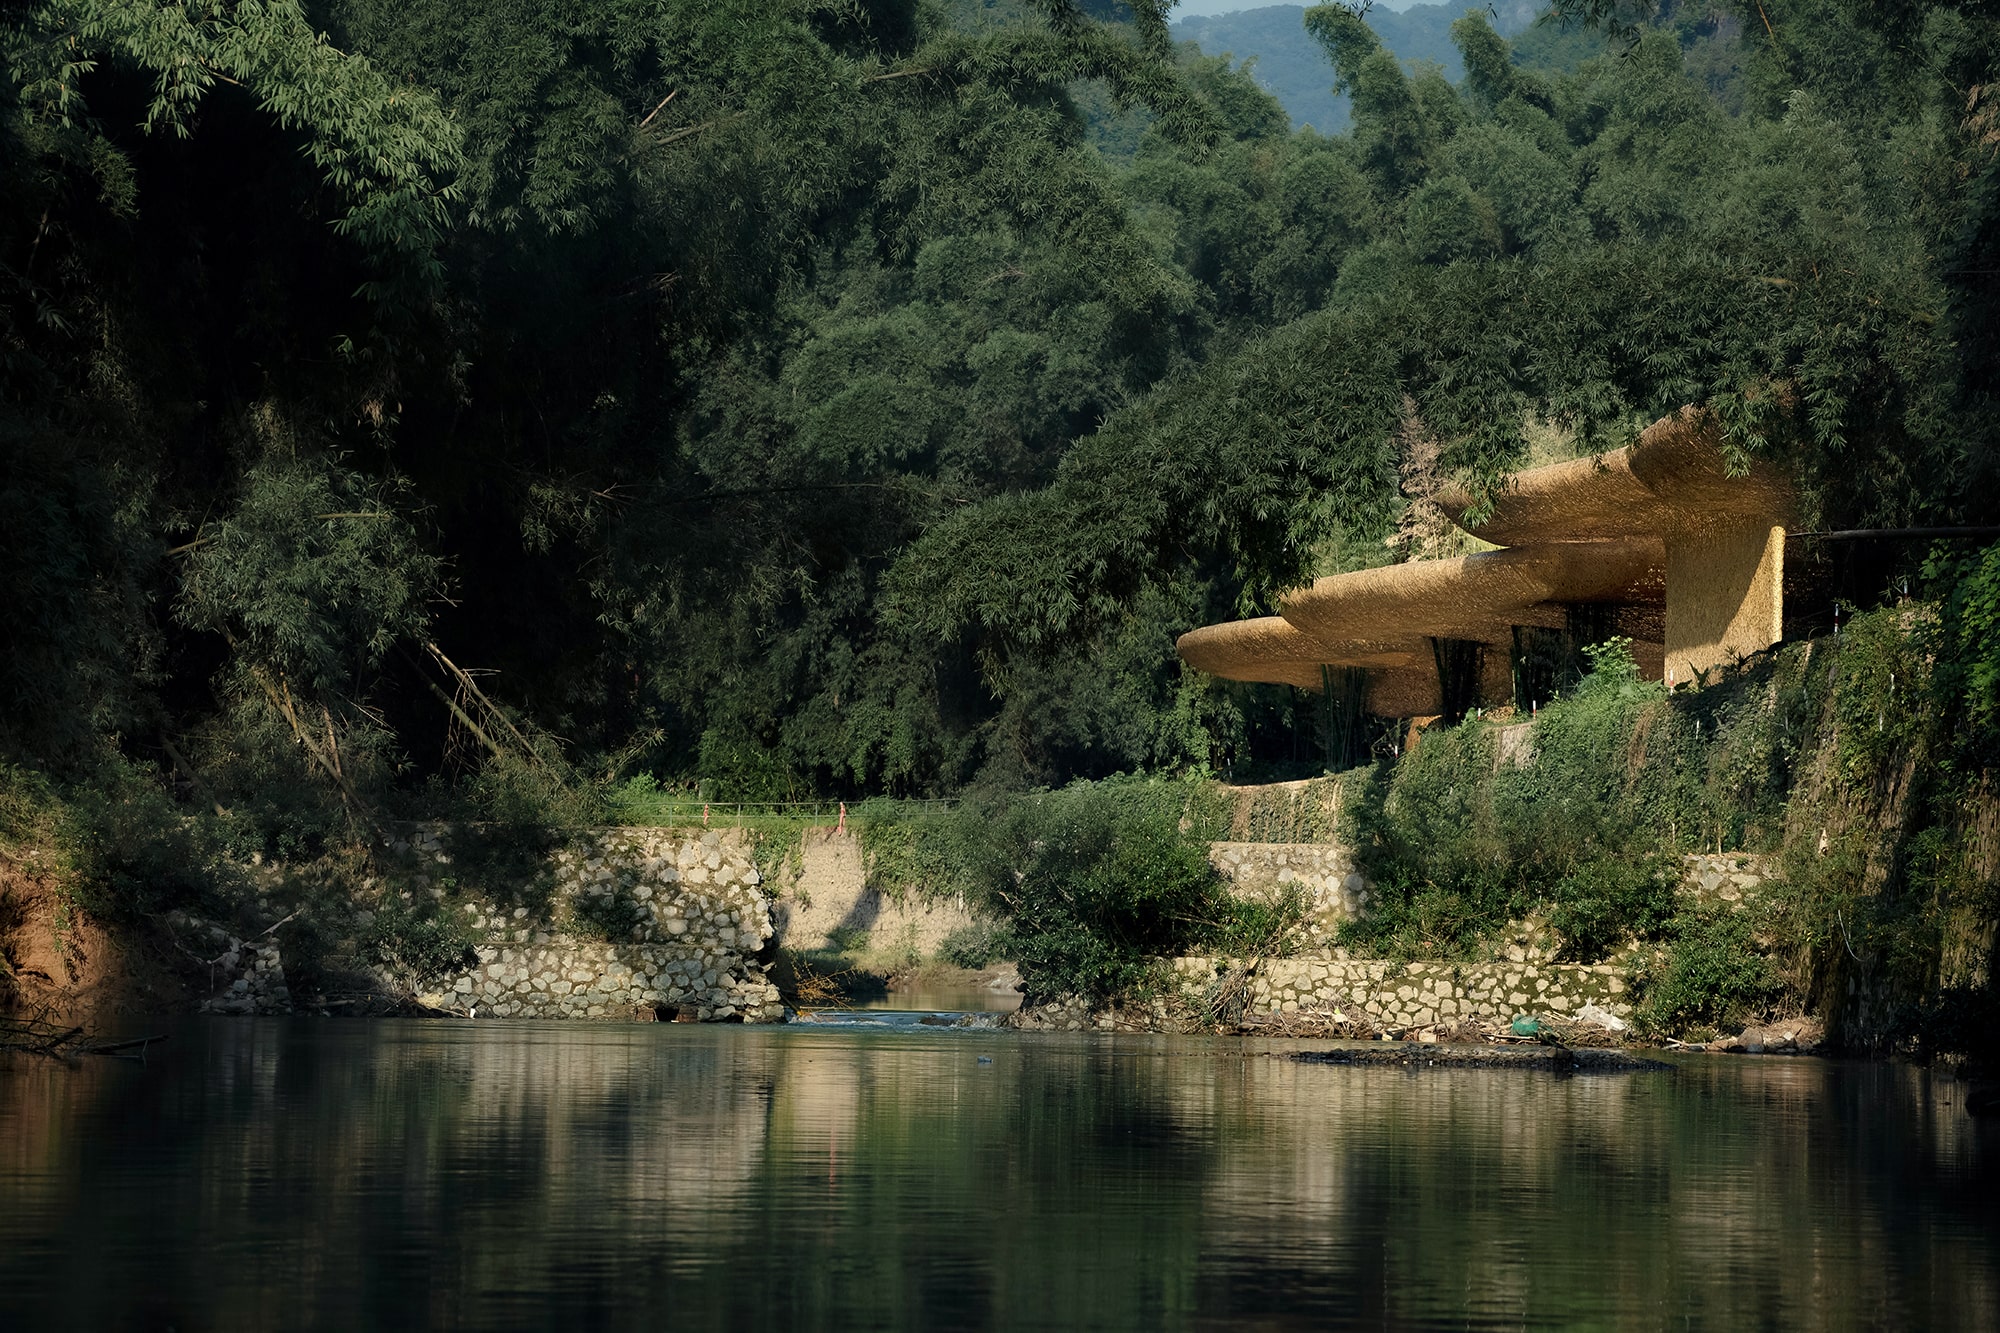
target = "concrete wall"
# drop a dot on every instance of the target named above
(1290, 812)
(825, 904)
(1725, 596)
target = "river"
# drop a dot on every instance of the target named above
(349, 1174)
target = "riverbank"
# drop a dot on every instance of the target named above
(616, 925)
(1548, 1059)
(1695, 864)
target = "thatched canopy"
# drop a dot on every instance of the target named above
(1674, 479)
(1272, 650)
(1605, 531)
(1470, 596)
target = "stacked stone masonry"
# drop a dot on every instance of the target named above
(1733, 878)
(1324, 873)
(689, 911)
(701, 921)
(1408, 995)
(243, 976)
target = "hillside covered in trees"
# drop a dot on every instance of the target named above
(425, 409)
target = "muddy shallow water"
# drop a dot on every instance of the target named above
(499, 1175)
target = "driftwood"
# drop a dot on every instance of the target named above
(113, 1047)
(35, 1037)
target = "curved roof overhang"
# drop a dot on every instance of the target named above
(1271, 650)
(1470, 596)
(1592, 530)
(1674, 480)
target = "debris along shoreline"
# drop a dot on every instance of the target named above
(1591, 1028)
(1551, 1059)
(63, 1042)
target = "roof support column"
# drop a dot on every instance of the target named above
(1460, 663)
(1725, 596)
(1344, 716)
(1543, 662)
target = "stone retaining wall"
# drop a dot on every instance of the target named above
(242, 976)
(1406, 995)
(641, 923)
(1324, 872)
(1325, 981)
(1366, 993)
(675, 923)
(1728, 877)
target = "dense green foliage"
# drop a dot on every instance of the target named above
(1297, 73)
(1590, 250)
(1459, 844)
(579, 339)
(1853, 763)
(789, 398)
(414, 408)
(1092, 883)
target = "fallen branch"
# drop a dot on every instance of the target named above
(658, 109)
(118, 1047)
(212, 963)
(464, 717)
(689, 131)
(280, 696)
(186, 770)
(464, 678)
(34, 1037)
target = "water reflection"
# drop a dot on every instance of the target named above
(330, 1175)
(947, 999)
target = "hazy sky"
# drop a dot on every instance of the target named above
(1204, 8)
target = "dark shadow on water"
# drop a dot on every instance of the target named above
(898, 1175)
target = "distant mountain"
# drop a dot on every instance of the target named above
(1292, 67)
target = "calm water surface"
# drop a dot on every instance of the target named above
(301, 1174)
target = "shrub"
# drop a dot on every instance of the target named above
(1094, 883)
(976, 945)
(929, 851)
(1258, 927)
(117, 845)
(1090, 881)
(419, 944)
(1458, 844)
(1712, 977)
(1426, 834)
(1608, 900)
(847, 939)
(611, 914)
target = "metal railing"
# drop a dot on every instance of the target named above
(727, 814)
